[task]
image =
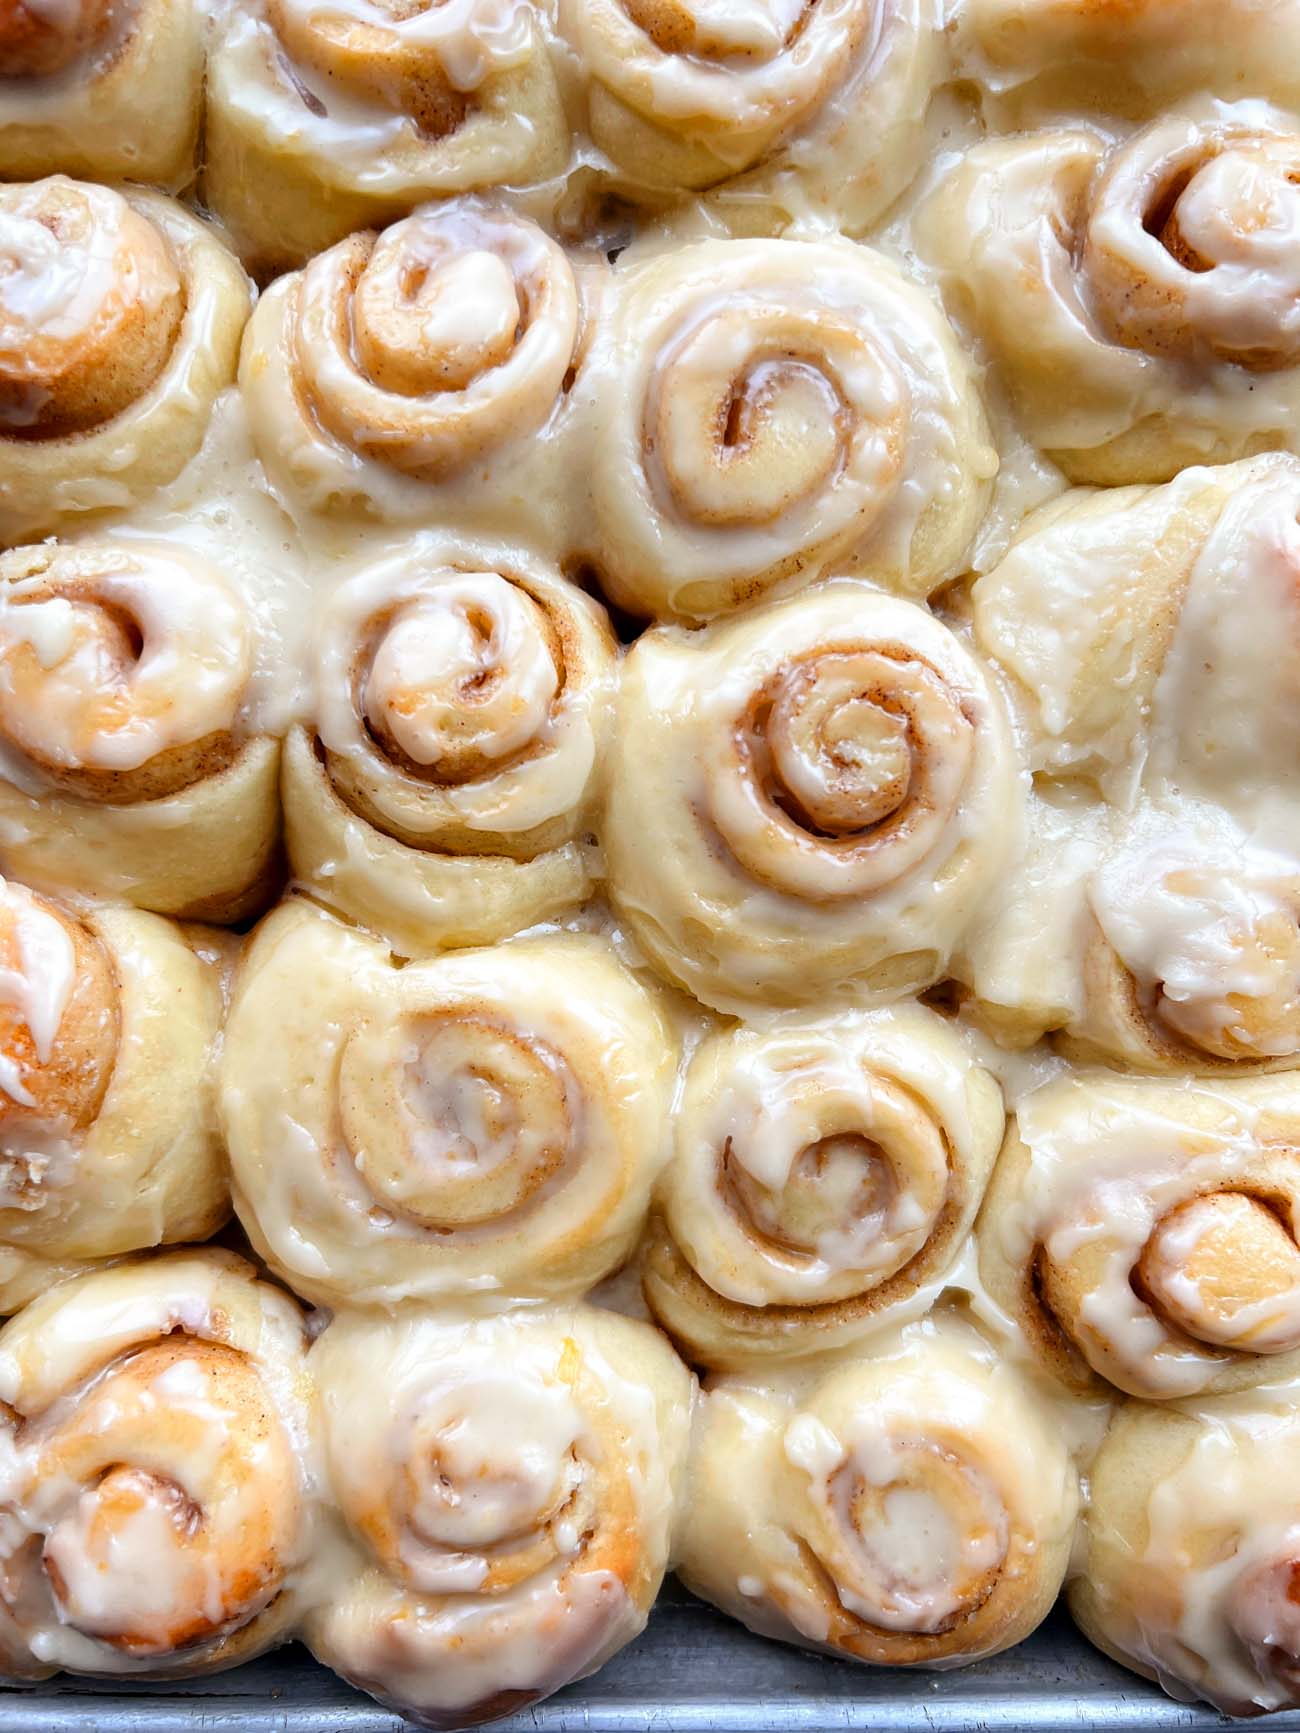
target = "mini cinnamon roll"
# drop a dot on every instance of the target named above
(1145, 1232)
(464, 699)
(325, 118)
(809, 800)
(1190, 955)
(110, 89)
(490, 1122)
(1141, 298)
(1034, 58)
(120, 319)
(109, 1023)
(912, 1508)
(827, 1172)
(401, 360)
(157, 1468)
(763, 409)
(1164, 942)
(1137, 625)
(509, 1505)
(687, 95)
(1190, 1549)
(129, 766)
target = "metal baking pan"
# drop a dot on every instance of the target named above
(693, 1671)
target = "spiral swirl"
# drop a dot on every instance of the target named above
(464, 695)
(327, 118)
(806, 795)
(419, 351)
(765, 406)
(155, 1486)
(684, 94)
(1145, 1233)
(1189, 1550)
(1190, 246)
(124, 715)
(510, 1507)
(912, 1508)
(489, 1120)
(109, 1026)
(826, 1172)
(120, 318)
(90, 306)
(421, 57)
(123, 668)
(1159, 272)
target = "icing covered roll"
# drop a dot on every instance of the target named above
(487, 1122)
(104, 88)
(1164, 942)
(399, 360)
(463, 705)
(763, 409)
(1150, 634)
(325, 116)
(508, 1504)
(914, 1508)
(129, 763)
(1142, 298)
(813, 797)
(693, 95)
(108, 1137)
(1145, 1232)
(1032, 58)
(1191, 1545)
(120, 319)
(157, 1467)
(1190, 954)
(1148, 637)
(827, 1172)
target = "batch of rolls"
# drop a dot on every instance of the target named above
(649, 713)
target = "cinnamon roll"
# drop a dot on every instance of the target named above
(156, 1468)
(810, 799)
(1165, 942)
(109, 1023)
(1191, 1545)
(1033, 58)
(434, 352)
(1190, 955)
(464, 700)
(827, 1172)
(109, 89)
(1148, 638)
(508, 1505)
(129, 761)
(914, 1508)
(767, 104)
(763, 410)
(1142, 298)
(325, 118)
(1145, 1232)
(120, 319)
(490, 1122)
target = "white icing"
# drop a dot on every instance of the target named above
(1183, 911)
(1111, 1158)
(89, 710)
(36, 984)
